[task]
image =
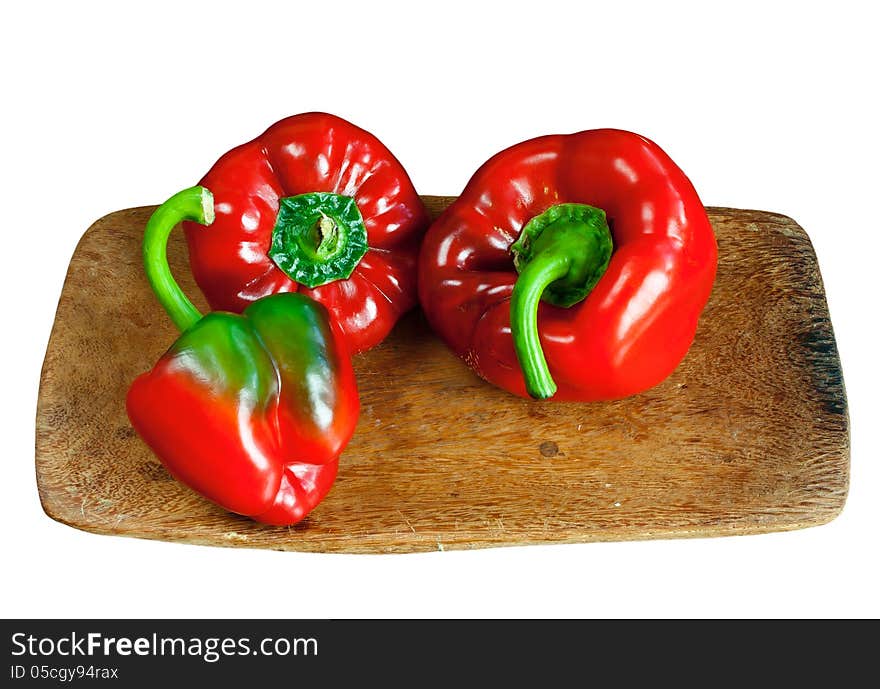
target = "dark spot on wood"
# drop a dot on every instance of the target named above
(125, 432)
(154, 472)
(453, 495)
(300, 526)
(826, 372)
(140, 320)
(549, 449)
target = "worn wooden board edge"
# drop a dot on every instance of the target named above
(233, 539)
(827, 374)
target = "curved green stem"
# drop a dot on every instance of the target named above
(533, 280)
(195, 204)
(560, 256)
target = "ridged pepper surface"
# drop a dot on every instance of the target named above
(319, 206)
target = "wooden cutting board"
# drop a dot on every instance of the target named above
(749, 435)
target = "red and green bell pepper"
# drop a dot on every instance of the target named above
(251, 410)
(315, 205)
(571, 266)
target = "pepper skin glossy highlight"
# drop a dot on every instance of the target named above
(633, 326)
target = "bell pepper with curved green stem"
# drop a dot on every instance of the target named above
(520, 278)
(250, 410)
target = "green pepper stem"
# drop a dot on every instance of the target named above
(195, 204)
(318, 237)
(560, 254)
(537, 275)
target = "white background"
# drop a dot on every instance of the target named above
(769, 106)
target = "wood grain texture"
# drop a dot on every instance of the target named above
(749, 435)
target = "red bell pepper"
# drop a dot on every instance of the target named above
(571, 266)
(316, 205)
(252, 410)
